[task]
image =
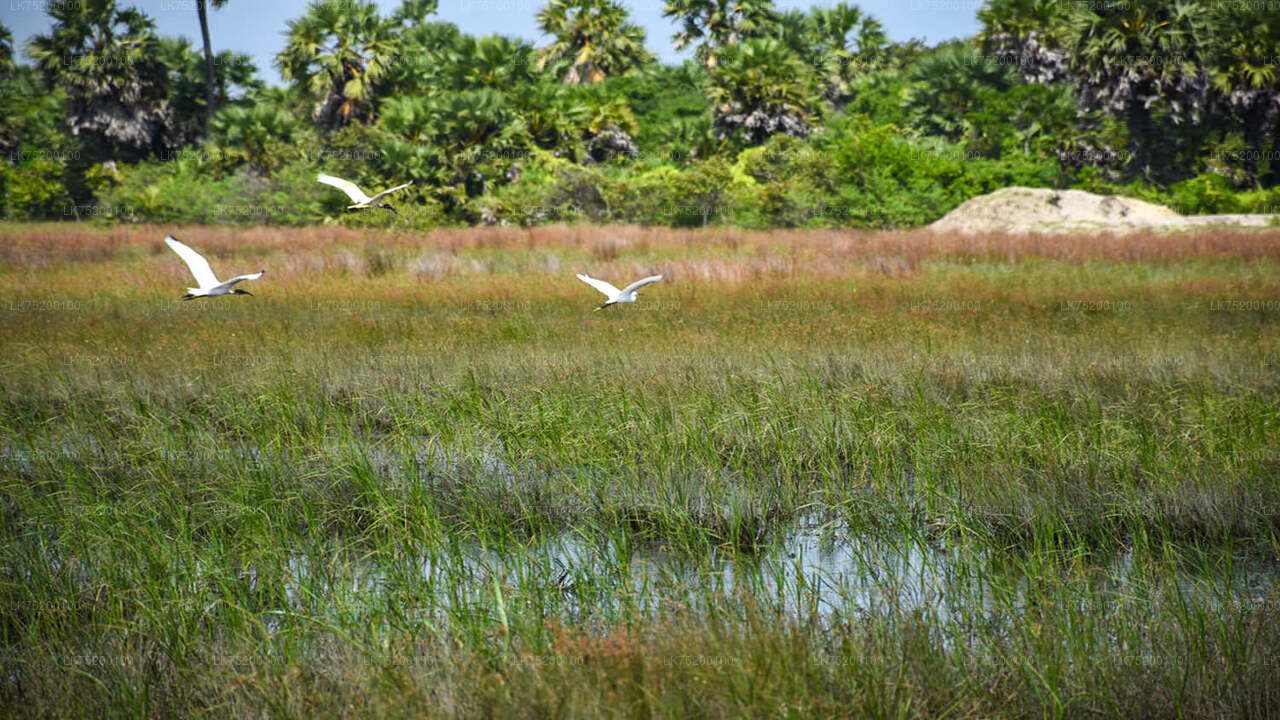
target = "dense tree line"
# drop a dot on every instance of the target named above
(782, 118)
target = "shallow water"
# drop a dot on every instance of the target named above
(818, 570)
(814, 568)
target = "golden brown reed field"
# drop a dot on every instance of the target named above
(25, 244)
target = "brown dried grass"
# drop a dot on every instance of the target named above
(879, 251)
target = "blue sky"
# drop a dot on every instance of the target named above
(256, 27)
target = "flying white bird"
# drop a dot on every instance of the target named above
(626, 294)
(208, 282)
(361, 200)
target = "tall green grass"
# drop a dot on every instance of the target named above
(921, 482)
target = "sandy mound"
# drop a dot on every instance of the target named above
(1041, 209)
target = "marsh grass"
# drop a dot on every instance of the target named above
(811, 474)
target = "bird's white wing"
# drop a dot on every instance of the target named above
(238, 278)
(609, 291)
(351, 189)
(388, 192)
(641, 283)
(194, 260)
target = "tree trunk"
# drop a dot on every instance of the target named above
(1140, 129)
(209, 93)
(1272, 178)
(1254, 121)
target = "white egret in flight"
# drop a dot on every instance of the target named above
(209, 285)
(626, 294)
(358, 196)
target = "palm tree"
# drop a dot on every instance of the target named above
(949, 83)
(407, 117)
(423, 63)
(796, 29)
(190, 93)
(208, 55)
(6, 49)
(610, 127)
(759, 88)
(107, 61)
(690, 137)
(718, 23)
(478, 133)
(594, 36)
(255, 131)
(9, 132)
(494, 61)
(1028, 34)
(470, 119)
(34, 113)
(553, 116)
(338, 51)
(1245, 76)
(475, 123)
(851, 43)
(1135, 57)
(414, 12)
(423, 164)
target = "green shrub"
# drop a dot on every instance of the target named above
(645, 198)
(542, 189)
(879, 95)
(1207, 194)
(35, 190)
(887, 178)
(1260, 201)
(669, 105)
(700, 195)
(189, 193)
(580, 193)
(524, 203)
(265, 136)
(787, 182)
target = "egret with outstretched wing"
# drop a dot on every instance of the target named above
(614, 295)
(208, 283)
(358, 196)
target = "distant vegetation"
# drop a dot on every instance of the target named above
(783, 118)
